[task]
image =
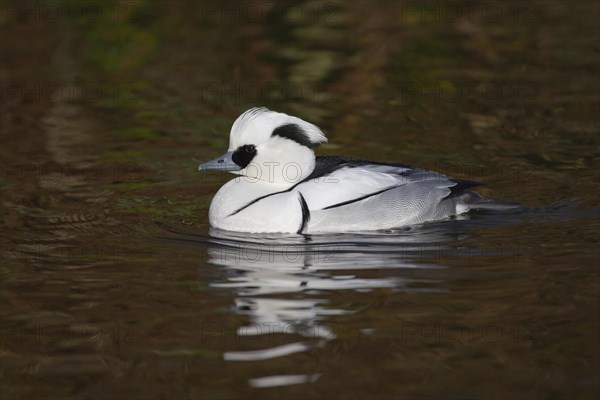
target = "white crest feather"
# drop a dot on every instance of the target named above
(256, 125)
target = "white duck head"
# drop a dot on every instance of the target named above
(268, 146)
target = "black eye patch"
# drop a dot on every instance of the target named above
(243, 155)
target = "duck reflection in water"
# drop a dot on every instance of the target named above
(261, 266)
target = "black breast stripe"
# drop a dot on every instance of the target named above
(305, 213)
(360, 198)
(254, 201)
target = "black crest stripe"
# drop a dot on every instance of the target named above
(294, 132)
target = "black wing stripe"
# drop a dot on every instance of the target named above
(305, 213)
(360, 198)
(460, 187)
(326, 165)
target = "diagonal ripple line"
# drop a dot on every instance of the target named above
(267, 354)
(283, 380)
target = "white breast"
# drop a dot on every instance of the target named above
(230, 209)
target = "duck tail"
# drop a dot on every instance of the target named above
(473, 201)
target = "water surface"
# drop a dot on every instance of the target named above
(114, 285)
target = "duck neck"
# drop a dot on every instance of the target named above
(289, 169)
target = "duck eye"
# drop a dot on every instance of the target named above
(243, 155)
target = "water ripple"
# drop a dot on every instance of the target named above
(267, 354)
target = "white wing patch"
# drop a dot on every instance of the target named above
(353, 183)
